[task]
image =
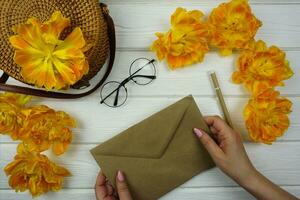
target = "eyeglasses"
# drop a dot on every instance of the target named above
(142, 71)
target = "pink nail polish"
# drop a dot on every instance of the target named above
(198, 132)
(120, 176)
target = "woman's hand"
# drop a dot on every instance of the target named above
(228, 151)
(230, 156)
(105, 191)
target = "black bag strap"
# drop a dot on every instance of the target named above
(4, 78)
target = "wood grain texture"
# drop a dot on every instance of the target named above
(274, 161)
(280, 22)
(136, 23)
(97, 123)
(193, 79)
(228, 193)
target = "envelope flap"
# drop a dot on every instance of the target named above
(150, 137)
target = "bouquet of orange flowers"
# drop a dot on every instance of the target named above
(38, 128)
(233, 26)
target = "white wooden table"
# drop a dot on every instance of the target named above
(136, 22)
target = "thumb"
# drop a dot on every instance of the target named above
(122, 188)
(213, 149)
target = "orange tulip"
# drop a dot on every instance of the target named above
(38, 127)
(43, 127)
(262, 68)
(266, 116)
(45, 59)
(186, 42)
(232, 26)
(34, 172)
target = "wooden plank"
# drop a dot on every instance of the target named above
(274, 161)
(227, 193)
(281, 24)
(192, 80)
(97, 123)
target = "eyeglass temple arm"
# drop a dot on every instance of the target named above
(117, 89)
(137, 71)
(143, 76)
(117, 97)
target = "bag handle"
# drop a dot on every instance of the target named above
(57, 95)
(4, 78)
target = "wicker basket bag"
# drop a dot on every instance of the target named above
(90, 15)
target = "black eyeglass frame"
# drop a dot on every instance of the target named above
(128, 79)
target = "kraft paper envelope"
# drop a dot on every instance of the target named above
(158, 154)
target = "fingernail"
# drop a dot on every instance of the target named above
(198, 132)
(120, 176)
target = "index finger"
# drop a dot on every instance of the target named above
(217, 122)
(101, 179)
(100, 186)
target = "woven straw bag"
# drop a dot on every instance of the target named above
(90, 15)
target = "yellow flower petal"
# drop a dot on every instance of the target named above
(182, 18)
(43, 127)
(54, 27)
(71, 47)
(58, 148)
(31, 33)
(65, 70)
(14, 98)
(225, 52)
(18, 42)
(74, 40)
(10, 117)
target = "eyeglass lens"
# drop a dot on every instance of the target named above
(145, 71)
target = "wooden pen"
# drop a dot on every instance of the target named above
(221, 98)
